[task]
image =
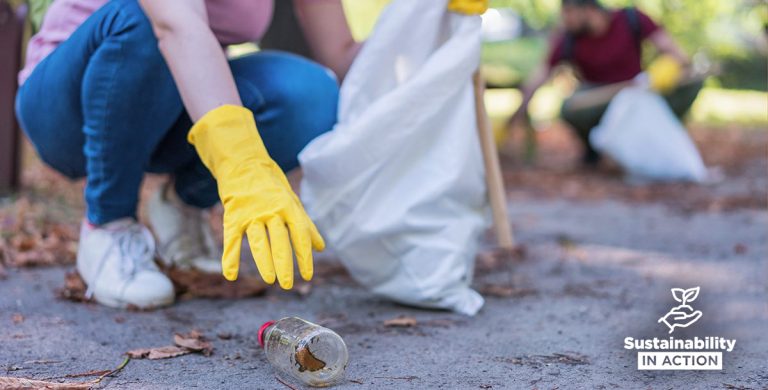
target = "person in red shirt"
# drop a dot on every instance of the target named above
(604, 46)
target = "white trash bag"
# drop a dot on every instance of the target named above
(642, 134)
(397, 187)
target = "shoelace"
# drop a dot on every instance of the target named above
(136, 252)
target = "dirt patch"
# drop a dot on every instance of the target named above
(568, 358)
(557, 173)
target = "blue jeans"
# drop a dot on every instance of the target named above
(104, 106)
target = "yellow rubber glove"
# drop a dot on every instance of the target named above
(256, 196)
(664, 73)
(468, 7)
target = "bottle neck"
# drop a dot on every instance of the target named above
(263, 331)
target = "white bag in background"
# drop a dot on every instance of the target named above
(644, 136)
(397, 187)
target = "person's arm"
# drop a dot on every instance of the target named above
(327, 32)
(256, 196)
(666, 45)
(541, 75)
(534, 82)
(196, 60)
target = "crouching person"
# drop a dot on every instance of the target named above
(114, 89)
(604, 46)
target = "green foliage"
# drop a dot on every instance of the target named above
(729, 32)
(502, 69)
(539, 14)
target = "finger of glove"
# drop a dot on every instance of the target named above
(282, 256)
(262, 254)
(318, 243)
(230, 259)
(302, 247)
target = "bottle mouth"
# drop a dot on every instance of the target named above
(263, 328)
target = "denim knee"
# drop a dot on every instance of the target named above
(73, 167)
(293, 99)
(302, 89)
(127, 19)
(314, 102)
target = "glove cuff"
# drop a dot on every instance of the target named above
(226, 137)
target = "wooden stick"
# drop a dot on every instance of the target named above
(496, 193)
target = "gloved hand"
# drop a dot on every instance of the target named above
(256, 197)
(664, 74)
(468, 7)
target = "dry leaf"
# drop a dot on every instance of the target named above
(17, 318)
(194, 341)
(307, 361)
(196, 284)
(158, 352)
(402, 321)
(37, 239)
(503, 291)
(11, 383)
(74, 288)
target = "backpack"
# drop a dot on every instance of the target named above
(569, 40)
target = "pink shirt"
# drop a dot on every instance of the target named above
(233, 21)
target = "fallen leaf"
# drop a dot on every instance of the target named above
(307, 361)
(10, 383)
(194, 341)
(492, 260)
(503, 291)
(38, 239)
(158, 352)
(74, 288)
(186, 343)
(196, 284)
(17, 318)
(402, 321)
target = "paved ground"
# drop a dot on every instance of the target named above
(594, 273)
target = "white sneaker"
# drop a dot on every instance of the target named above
(183, 233)
(116, 262)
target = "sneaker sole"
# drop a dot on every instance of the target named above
(119, 304)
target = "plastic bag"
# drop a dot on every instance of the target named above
(397, 187)
(642, 134)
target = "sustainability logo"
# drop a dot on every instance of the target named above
(683, 315)
(698, 353)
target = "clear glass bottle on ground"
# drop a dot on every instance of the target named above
(307, 352)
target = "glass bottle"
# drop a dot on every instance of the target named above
(312, 354)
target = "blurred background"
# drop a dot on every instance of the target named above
(728, 120)
(729, 38)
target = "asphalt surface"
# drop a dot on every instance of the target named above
(594, 273)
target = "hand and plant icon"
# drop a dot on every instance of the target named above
(683, 315)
